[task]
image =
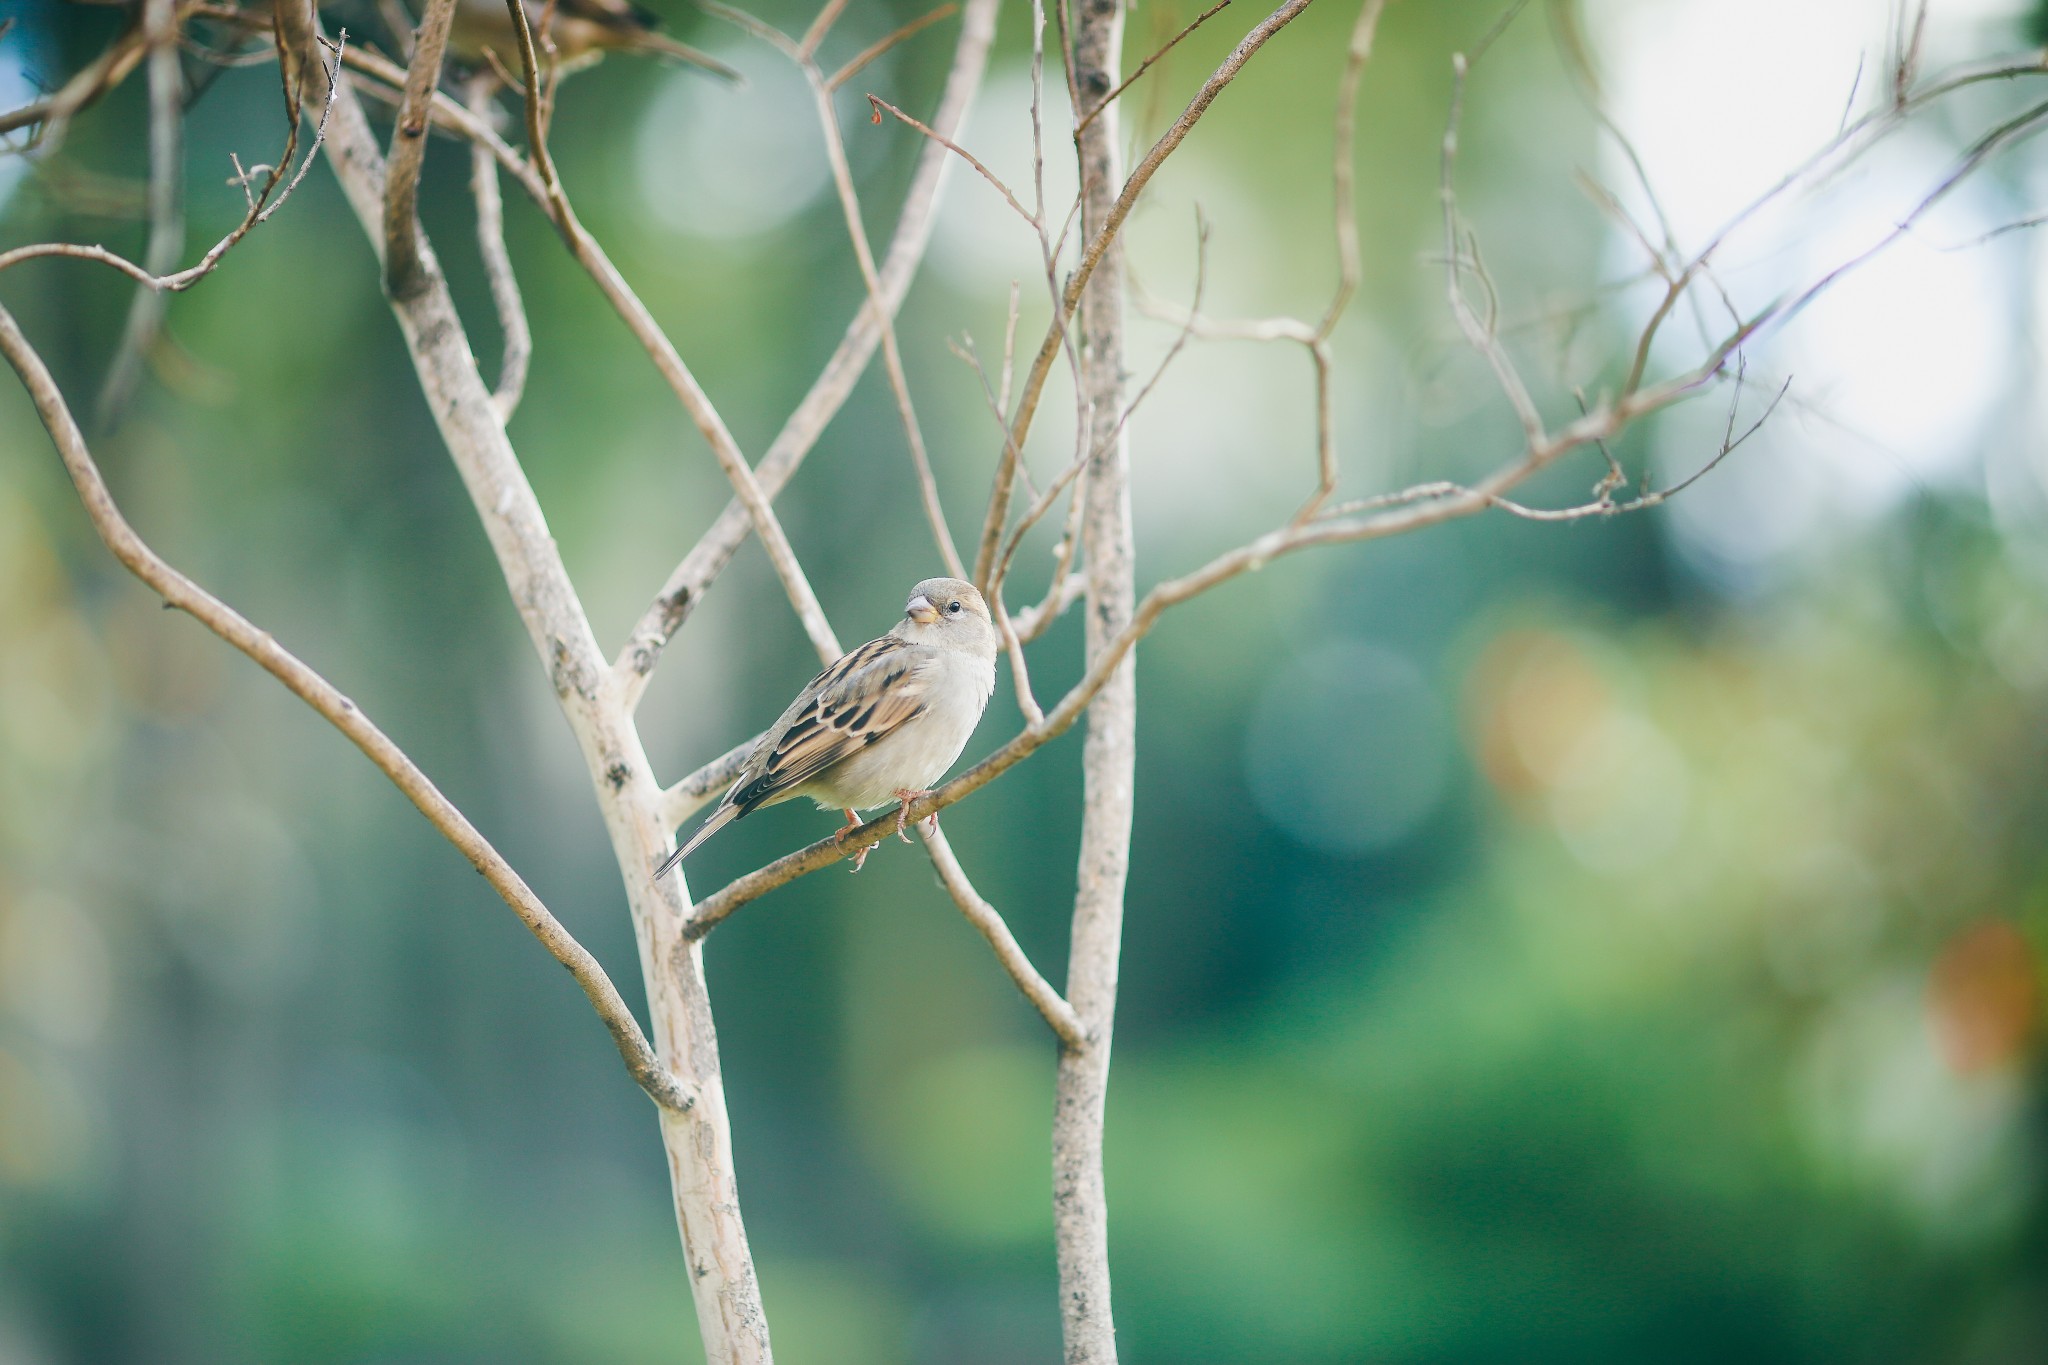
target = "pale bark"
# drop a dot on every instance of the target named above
(338, 710)
(698, 1141)
(1109, 755)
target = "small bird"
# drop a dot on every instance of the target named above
(582, 31)
(882, 724)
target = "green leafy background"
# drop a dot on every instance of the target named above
(1544, 942)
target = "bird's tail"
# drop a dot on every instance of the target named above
(650, 41)
(720, 818)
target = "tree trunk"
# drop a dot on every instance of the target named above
(1080, 1207)
(698, 1142)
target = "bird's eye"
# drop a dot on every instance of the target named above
(953, 608)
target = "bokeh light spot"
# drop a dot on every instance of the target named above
(1349, 749)
(54, 969)
(716, 161)
(1534, 695)
(1985, 996)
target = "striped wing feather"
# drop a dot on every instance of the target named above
(859, 700)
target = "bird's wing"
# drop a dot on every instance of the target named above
(865, 696)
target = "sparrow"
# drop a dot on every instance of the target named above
(582, 30)
(884, 723)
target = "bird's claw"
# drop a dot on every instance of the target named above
(852, 824)
(906, 795)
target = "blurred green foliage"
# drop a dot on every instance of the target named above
(1540, 946)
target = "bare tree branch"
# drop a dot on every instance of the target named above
(698, 790)
(1105, 232)
(877, 48)
(820, 26)
(698, 1142)
(690, 579)
(409, 148)
(1171, 43)
(261, 205)
(983, 916)
(892, 355)
(1315, 339)
(1109, 753)
(517, 351)
(181, 592)
(1482, 336)
(1066, 589)
(166, 206)
(1396, 514)
(879, 104)
(669, 363)
(676, 1059)
(387, 87)
(98, 76)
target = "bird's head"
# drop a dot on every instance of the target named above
(948, 611)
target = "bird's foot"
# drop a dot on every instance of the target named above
(907, 795)
(852, 824)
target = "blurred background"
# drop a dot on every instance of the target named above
(1595, 942)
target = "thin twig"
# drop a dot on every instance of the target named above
(392, 12)
(1343, 167)
(1020, 665)
(1065, 590)
(1010, 459)
(820, 26)
(166, 207)
(449, 116)
(54, 112)
(892, 355)
(693, 576)
(1089, 454)
(1458, 260)
(1009, 356)
(1350, 263)
(517, 337)
(1134, 185)
(877, 48)
(266, 202)
(1146, 65)
(670, 364)
(879, 104)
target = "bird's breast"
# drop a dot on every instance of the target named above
(918, 753)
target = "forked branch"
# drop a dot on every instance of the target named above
(989, 924)
(667, 361)
(692, 578)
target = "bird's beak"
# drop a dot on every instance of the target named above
(921, 610)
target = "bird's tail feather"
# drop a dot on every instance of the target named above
(720, 818)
